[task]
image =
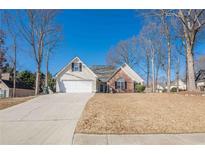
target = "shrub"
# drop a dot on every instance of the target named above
(139, 88)
(174, 89)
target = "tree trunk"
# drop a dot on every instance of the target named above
(148, 65)
(187, 78)
(191, 72)
(46, 79)
(177, 73)
(14, 71)
(38, 75)
(157, 75)
(190, 39)
(39, 60)
(177, 76)
(167, 35)
(169, 67)
(153, 78)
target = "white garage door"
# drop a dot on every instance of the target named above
(77, 86)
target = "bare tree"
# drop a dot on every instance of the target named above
(12, 30)
(38, 24)
(177, 70)
(180, 46)
(52, 41)
(124, 52)
(193, 22)
(161, 58)
(151, 45)
(166, 32)
(2, 51)
(144, 48)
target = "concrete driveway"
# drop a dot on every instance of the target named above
(49, 119)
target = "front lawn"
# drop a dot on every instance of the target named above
(143, 113)
(8, 102)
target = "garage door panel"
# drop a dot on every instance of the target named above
(77, 86)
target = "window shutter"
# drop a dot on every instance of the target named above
(80, 65)
(115, 85)
(125, 85)
(72, 67)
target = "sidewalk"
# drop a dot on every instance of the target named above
(141, 139)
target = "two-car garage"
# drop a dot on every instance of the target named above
(76, 86)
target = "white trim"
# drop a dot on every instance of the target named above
(4, 83)
(74, 75)
(130, 69)
(132, 73)
(76, 80)
(114, 74)
(89, 69)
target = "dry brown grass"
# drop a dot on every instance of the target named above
(8, 102)
(143, 113)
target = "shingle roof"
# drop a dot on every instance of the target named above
(19, 85)
(200, 76)
(103, 72)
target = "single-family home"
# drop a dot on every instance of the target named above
(181, 84)
(22, 90)
(159, 88)
(200, 80)
(77, 77)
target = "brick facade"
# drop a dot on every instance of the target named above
(121, 74)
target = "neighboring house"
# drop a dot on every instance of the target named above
(6, 76)
(159, 88)
(77, 77)
(200, 80)
(182, 85)
(6, 89)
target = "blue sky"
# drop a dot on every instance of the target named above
(89, 34)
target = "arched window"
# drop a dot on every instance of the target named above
(120, 84)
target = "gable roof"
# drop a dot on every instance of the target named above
(65, 67)
(174, 83)
(130, 72)
(19, 84)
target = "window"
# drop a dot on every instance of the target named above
(120, 84)
(76, 67)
